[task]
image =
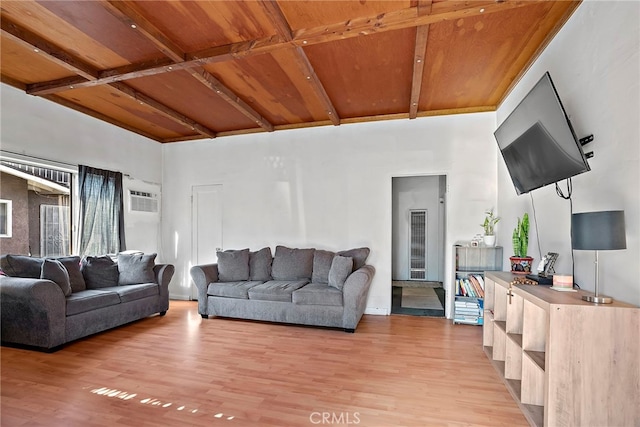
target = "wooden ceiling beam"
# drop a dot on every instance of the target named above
(33, 42)
(131, 17)
(302, 61)
(60, 57)
(400, 19)
(419, 55)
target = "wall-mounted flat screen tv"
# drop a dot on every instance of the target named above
(537, 141)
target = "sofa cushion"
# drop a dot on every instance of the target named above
(317, 294)
(231, 289)
(321, 266)
(260, 264)
(233, 265)
(56, 272)
(90, 299)
(72, 264)
(136, 268)
(21, 266)
(292, 264)
(276, 290)
(99, 272)
(359, 256)
(341, 268)
(133, 292)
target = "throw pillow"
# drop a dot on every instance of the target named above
(135, 268)
(341, 268)
(260, 264)
(54, 270)
(292, 264)
(21, 266)
(359, 256)
(321, 266)
(99, 272)
(233, 265)
(72, 264)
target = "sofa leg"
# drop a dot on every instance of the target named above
(349, 330)
(205, 316)
(162, 313)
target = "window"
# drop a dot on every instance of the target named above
(36, 206)
(5, 218)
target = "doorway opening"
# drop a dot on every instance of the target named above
(418, 217)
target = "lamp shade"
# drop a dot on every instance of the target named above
(598, 231)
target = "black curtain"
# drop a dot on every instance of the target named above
(101, 211)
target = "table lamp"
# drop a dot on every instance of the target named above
(598, 231)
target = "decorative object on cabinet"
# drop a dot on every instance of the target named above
(488, 225)
(564, 361)
(598, 231)
(520, 261)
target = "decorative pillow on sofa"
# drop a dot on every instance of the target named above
(341, 268)
(99, 272)
(359, 256)
(72, 264)
(136, 268)
(321, 265)
(292, 264)
(233, 265)
(260, 264)
(21, 266)
(56, 272)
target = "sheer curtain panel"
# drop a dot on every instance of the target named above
(101, 211)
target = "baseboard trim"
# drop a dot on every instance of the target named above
(179, 297)
(376, 311)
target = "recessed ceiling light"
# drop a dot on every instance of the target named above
(419, 61)
(134, 26)
(482, 10)
(36, 50)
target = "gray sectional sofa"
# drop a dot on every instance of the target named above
(301, 286)
(46, 303)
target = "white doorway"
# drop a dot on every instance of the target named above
(206, 226)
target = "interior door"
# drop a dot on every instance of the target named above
(206, 226)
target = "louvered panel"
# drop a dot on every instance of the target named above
(418, 242)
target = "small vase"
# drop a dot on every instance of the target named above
(521, 265)
(490, 240)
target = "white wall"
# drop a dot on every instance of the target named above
(595, 65)
(36, 127)
(329, 187)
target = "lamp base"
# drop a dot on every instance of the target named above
(597, 299)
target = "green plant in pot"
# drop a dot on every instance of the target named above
(520, 261)
(490, 221)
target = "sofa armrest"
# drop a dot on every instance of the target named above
(164, 273)
(32, 312)
(202, 275)
(354, 295)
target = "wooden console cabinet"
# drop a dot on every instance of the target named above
(565, 361)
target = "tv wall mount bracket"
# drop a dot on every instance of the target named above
(584, 141)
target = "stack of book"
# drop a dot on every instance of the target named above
(468, 310)
(470, 286)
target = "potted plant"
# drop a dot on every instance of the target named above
(520, 261)
(490, 222)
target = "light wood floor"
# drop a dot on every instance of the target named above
(181, 370)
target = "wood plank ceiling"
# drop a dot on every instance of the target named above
(183, 70)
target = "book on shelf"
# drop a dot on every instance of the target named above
(470, 286)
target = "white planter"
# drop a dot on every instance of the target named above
(490, 240)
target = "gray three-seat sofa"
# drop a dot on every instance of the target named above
(301, 286)
(46, 303)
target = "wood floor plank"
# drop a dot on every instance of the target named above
(183, 370)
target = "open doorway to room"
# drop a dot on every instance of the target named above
(418, 224)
